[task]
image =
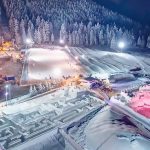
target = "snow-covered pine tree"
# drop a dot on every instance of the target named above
(73, 38)
(11, 25)
(101, 38)
(39, 36)
(143, 43)
(119, 34)
(86, 39)
(113, 42)
(22, 30)
(29, 33)
(52, 38)
(38, 20)
(139, 42)
(148, 42)
(95, 37)
(91, 37)
(77, 39)
(70, 39)
(36, 36)
(47, 32)
(63, 32)
(17, 35)
(89, 27)
(44, 36)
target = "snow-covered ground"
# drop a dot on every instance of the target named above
(29, 120)
(103, 63)
(57, 61)
(42, 116)
(109, 130)
(44, 64)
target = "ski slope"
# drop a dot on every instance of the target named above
(57, 62)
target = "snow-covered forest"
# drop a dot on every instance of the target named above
(77, 23)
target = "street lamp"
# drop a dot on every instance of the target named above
(121, 45)
(76, 57)
(83, 56)
(61, 41)
(28, 41)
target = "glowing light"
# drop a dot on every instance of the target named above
(104, 75)
(28, 41)
(57, 72)
(121, 44)
(76, 57)
(61, 41)
(6, 86)
(6, 94)
(66, 46)
(83, 56)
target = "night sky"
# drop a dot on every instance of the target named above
(137, 9)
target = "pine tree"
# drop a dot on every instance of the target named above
(91, 37)
(70, 39)
(23, 32)
(44, 37)
(95, 38)
(77, 39)
(17, 34)
(47, 32)
(11, 25)
(143, 43)
(86, 39)
(119, 34)
(113, 42)
(101, 38)
(52, 38)
(30, 31)
(148, 42)
(63, 32)
(73, 38)
(139, 42)
(38, 20)
(29, 34)
(39, 36)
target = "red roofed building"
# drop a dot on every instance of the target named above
(141, 101)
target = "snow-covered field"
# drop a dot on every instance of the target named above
(57, 62)
(69, 104)
(52, 63)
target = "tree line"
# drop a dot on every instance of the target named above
(77, 23)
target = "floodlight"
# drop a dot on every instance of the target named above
(121, 44)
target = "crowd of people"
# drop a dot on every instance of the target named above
(80, 22)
